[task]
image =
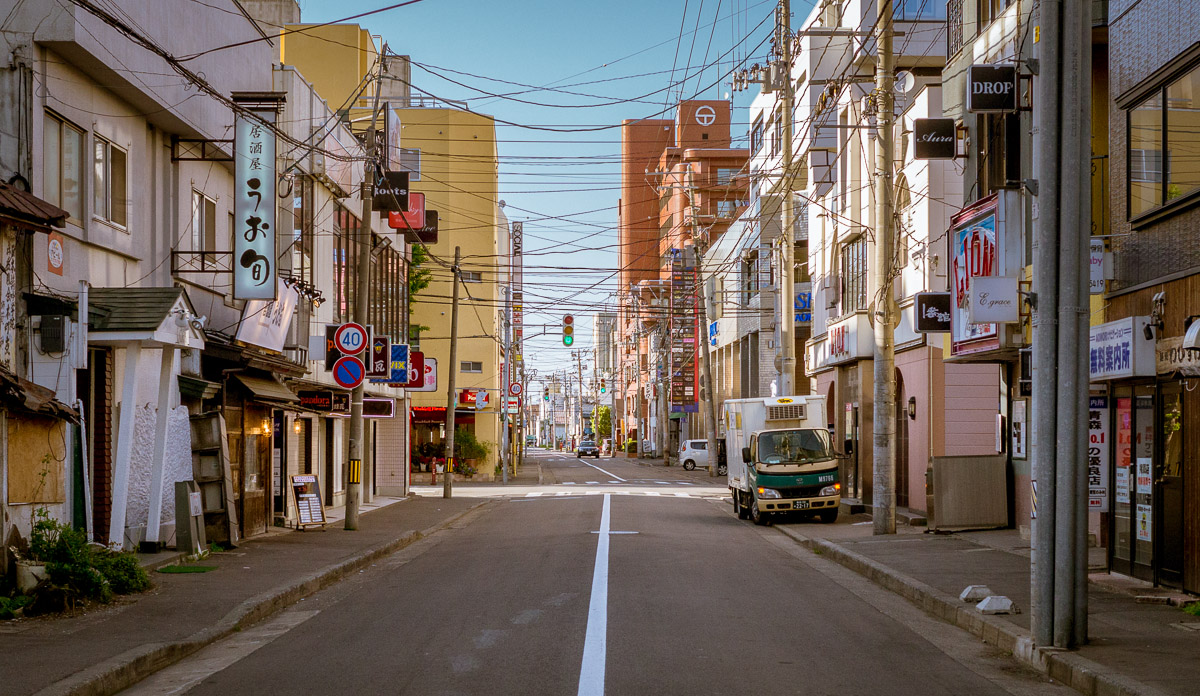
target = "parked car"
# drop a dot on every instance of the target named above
(694, 453)
(587, 448)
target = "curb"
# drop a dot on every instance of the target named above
(134, 665)
(1083, 675)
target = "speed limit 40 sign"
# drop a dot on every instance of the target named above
(350, 339)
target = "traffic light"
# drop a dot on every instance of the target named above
(568, 330)
(603, 389)
(546, 394)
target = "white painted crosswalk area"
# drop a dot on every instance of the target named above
(706, 495)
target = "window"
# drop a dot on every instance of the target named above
(414, 338)
(62, 165)
(925, 10)
(387, 286)
(345, 263)
(468, 366)
(1164, 144)
(471, 277)
(410, 161)
(725, 209)
(756, 136)
(302, 230)
(989, 10)
(110, 183)
(725, 175)
(777, 133)
(204, 223)
(854, 275)
(749, 276)
(800, 272)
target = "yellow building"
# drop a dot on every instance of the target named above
(458, 175)
(451, 154)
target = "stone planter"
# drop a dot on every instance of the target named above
(29, 574)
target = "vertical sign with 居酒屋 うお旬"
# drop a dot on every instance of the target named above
(254, 207)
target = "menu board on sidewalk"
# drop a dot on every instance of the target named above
(310, 512)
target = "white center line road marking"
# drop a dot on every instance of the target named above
(610, 475)
(595, 644)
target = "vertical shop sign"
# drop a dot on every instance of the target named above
(684, 330)
(254, 206)
(1123, 480)
(1098, 448)
(977, 237)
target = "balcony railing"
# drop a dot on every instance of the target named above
(954, 27)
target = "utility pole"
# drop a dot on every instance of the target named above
(505, 456)
(579, 371)
(787, 277)
(884, 438)
(637, 399)
(710, 403)
(358, 445)
(451, 396)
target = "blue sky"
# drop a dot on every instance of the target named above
(562, 177)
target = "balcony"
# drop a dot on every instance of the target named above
(954, 27)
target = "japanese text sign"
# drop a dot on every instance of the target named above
(254, 207)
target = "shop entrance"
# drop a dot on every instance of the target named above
(1132, 519)
(1148, 502)
(1168, 482)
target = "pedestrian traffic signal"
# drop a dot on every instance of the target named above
(603, 388)
(568, 330)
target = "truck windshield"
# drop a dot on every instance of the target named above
(794, 446)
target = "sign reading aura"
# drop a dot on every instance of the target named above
(934, 138)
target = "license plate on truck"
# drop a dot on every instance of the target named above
(800, 505)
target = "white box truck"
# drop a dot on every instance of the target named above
(781, 458)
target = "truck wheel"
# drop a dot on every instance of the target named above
(759, 517)
(689, 465)
(828, 516)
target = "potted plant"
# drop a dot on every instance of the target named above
(468, 450)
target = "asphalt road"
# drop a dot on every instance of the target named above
(526, 595)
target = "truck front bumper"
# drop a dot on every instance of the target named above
(798, 504)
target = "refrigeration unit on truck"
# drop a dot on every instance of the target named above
(781, 458)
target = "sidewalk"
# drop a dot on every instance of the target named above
(1136, 647)
(111, 647)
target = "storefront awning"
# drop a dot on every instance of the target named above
(267, 389)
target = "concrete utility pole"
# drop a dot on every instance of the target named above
(884, 423)
(787, 277)
(710, 399)
(451, 396)
(579, 371)
(504, 455)
(637, 399)
(358, 445)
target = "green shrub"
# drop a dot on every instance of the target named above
(123, 571)
(79, 570)
(11, 606)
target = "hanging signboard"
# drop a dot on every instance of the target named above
(933, 312)
(391, 192)
(265, 323)
(430, 381)
(993, 300)
(1119, 349)
(316, 400)
(1098, 261)
(934, 138)
(992, 88)
(399, 362)
(254, 205)
(374, 407)
(310, 511)
(977, 236)
(341, 402)
(380, 356)
(416, 371)
(1098, 447)
(412, 219)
